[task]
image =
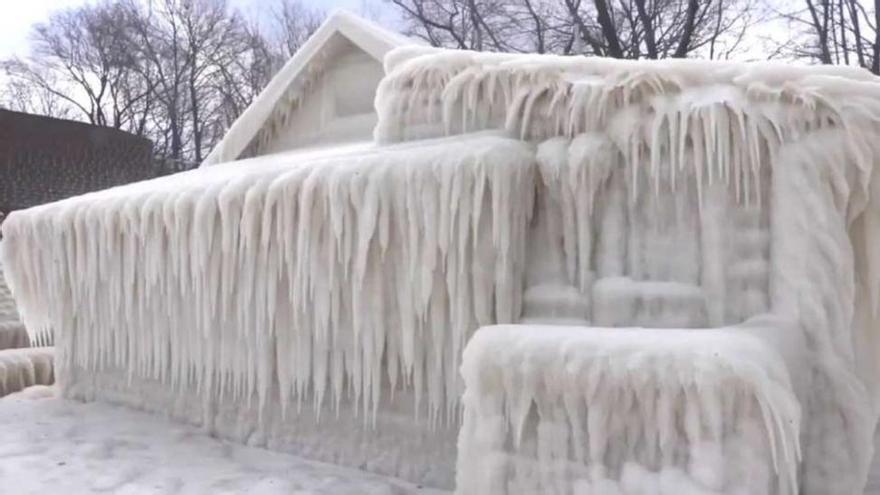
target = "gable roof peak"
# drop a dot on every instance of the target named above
(366, 35)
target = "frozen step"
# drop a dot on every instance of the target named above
(621, 301)
(22, 368)
(546, 302)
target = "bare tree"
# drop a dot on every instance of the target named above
(176, 71)
(466, 24)
(22, 96)
(269, 40)
(209, 63)
(289, 25)
(84, 58)
(842, 32)
(612, 28)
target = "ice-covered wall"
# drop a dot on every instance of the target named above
(691, 194)
(670, 195)
(332, 277)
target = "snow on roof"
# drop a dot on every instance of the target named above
(368, 36)
(538, 96)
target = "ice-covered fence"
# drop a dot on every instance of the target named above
(559, 410)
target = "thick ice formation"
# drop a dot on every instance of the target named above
(559, 410)
(325, 275)
(676, 195)
(731, 191)
(689, 108)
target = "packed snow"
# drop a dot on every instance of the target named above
(52, 445)
(675, 195)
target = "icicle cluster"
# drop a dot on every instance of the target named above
(573, 173)
(429, 92)
(329, 277)
(678, 250)
(561, 410)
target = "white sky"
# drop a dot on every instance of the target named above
(19, 16)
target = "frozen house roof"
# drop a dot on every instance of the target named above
(304, 68)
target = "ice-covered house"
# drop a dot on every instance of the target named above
(672, 266)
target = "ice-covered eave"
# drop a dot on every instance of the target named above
(184, 260)
(430, 92)
(677, 72)
(296, 75)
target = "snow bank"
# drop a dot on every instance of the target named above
(550, 409)
(333, 275)
(22, 368)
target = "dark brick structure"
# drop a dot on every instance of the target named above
(43, 159)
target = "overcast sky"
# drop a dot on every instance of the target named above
(19, 15)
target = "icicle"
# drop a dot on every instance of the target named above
(228, 260)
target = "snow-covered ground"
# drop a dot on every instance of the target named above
(51, 445)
